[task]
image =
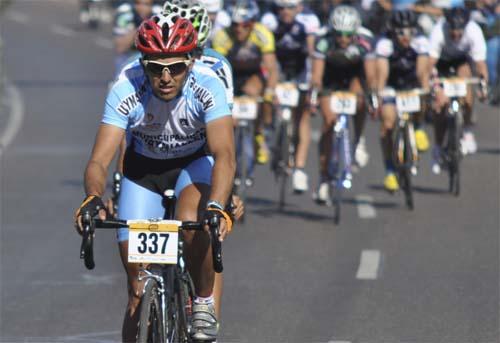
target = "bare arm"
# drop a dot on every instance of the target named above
(422, 71)
(106, 143)
(385, 4)
(318, 68)
(382, 73)
(220, 142)
(270, 63)
(370, 66)
(482, 70)
(428, 9)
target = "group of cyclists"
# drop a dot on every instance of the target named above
(181, 65)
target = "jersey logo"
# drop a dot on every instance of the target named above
(131, 101)
(202, 95)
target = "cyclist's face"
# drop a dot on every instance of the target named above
(144, 8)
(242, 30)
(404, 39)
(167, 82)
(344, 39)
(287, 13)
(456, 34)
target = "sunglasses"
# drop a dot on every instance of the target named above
(287, 7)
(407, 31)
(244, 24)
(344, 33)
(157, 69)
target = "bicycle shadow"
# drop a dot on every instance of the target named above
(270, 208)
(488, 151)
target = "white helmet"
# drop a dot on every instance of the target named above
(345, 18)
(212, 6)
(287, 3)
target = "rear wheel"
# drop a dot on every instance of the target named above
(150, 326)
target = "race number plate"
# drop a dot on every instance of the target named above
(454, 87)
(244, 108)
(408, 102)
(153, 241)
(287, 94)
(343, 102)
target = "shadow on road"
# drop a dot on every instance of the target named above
(488, 151)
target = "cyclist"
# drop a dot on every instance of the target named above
(402, 64)
(294, 45)
(179, 131)
(127, 19)
(339, 60)
(455, 43)
(249, 47)
(199, 17)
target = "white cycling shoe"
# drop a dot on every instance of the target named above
(468, 143)
(205, 326)
(361, 156)
(299, 181)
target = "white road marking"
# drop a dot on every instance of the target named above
(62, 30)
(369, 265)
(18, 17)
(365, 206)
(104, 43)
(16, 115)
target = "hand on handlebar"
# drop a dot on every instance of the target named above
(94, 206)
(482, 92)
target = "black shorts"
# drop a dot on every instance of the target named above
(447, 68)
(154, 174)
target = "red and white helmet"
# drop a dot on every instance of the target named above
(166, 35)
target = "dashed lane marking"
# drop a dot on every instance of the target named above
(365, 206)
(369, 265)
(62, 30)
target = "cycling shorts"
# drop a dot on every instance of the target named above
(142, 189)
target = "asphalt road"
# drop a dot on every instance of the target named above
(385, 274)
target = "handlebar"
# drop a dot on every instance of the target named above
(90, 224)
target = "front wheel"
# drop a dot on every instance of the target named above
(150, 326)
(282, 167)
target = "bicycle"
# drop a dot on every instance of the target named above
(455, 89)
(340, 162)
(245, 110)
(405, 154)
(165, 308)
(288, 95)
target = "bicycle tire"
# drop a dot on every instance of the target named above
(336, 183)
(150, 327)
(283, 144)
(408, 162)
(454, 154)
(184, 301)
(241, 160)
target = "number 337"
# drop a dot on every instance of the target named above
(150, 243)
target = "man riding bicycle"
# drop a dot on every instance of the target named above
(455, 44)
(294, 45)
(179, 131)
(402, 64)
(339, 62)
(249, 47)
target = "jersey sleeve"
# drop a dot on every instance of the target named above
(221, 42)
(436, 41)
(384, 48)
(421, 45)
(208, 95)
(477, 42)
(264, 38)
(113, 113)
(321, 47)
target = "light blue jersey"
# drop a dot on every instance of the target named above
(165, 129)
(221, 66)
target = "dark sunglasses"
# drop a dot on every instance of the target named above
(244, 24)
(344, 33)
(407, 31)
(156, 68)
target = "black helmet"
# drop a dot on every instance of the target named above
(403, 19)
(457, 18)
